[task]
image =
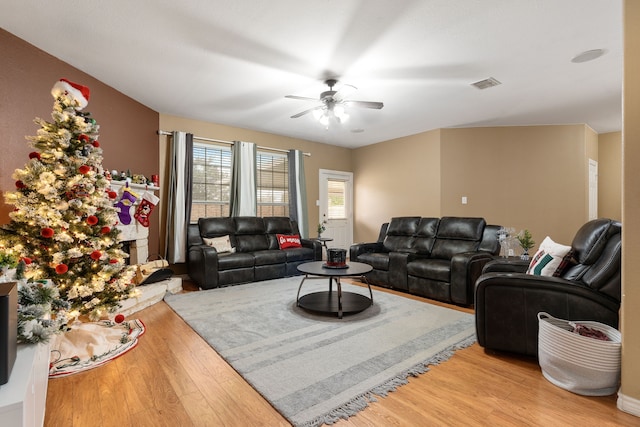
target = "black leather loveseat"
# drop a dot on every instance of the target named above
(508, 300)
(438, 258)
(255, 253)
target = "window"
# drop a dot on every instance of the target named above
(272, 183)
(336, 199)
(211, 181)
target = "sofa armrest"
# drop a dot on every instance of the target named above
(361, 248)
(202, 263)
(466, 267)
(315, 245)
(507, 306)
(506, 265)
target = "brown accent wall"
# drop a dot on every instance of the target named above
(127, 128)
(610, 175)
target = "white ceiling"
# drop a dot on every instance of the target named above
(233, 61)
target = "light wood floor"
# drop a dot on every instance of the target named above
(173, 378)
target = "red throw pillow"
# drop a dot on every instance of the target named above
(286, 241)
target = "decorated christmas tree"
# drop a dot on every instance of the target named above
(63, 223)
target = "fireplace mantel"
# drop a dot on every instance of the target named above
(135, 233)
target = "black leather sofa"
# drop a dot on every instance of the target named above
(256, 253)
(508, 300)
(438, 258)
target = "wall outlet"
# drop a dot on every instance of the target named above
(464, 200)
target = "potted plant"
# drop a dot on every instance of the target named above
(321, 228)
(526, 242)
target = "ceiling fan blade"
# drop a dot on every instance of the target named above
(304, 98)
(345, 91)
(365, 104)
(302, 113)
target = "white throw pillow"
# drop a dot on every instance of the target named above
(222, 244)
(548, 258)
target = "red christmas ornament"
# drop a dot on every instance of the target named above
(20, 184)
(105, 230)
(92, 220)
(119, 318)
(84, 138)
(47, 232)
(34, 155)
(96, 143)
(84, 169)
(95, 255)
(61, 268)
(27, 260)
(113, 261)
(112, 194)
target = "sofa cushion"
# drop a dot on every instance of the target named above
(278, 225)
(299, 254)
(216, 227)
(434, 269)
(377, 260)
(548, 258)
(461, 228)
(221, 244)
(229, 261)
(425, 235)
(250, 234)
(269, 257)
(457, 235)
(400, 234)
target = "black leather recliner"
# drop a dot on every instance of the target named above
(507, 300)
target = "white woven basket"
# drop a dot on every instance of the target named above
(580, 364)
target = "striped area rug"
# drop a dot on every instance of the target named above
(317, 369)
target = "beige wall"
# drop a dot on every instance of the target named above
(630, 319)
(610, 175)
(530, 177)
(395, 178)
(323, 156)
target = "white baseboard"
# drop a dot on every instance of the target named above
(628, 404)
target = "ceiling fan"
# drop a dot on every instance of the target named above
(333, 103)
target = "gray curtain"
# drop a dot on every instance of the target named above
(179, 197)
(298, 191)
(243, 198)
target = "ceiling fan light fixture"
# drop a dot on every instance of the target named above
(318, 113)
(324, 120)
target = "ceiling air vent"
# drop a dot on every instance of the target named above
(486, 83)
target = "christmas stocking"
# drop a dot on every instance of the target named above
(124, 205)
(144, 209)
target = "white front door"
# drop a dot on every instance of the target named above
(336, 207)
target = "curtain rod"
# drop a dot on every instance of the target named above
(164, 132)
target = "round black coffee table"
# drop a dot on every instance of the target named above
(334, 301)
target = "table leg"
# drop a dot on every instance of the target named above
(300, 287)
(369, 286)
(339, 298)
